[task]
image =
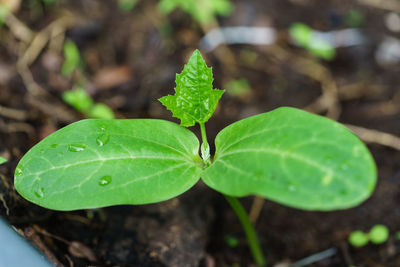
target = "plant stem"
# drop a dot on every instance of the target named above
(249, 230)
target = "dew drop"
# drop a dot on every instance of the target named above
(102, 139)
(19, 170)
(103, 128)
(105, 180)
(76, 147)
(344, 167)
(292, 188)
(40, 192)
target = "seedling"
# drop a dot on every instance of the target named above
(127, 5)
(305, 37)
(287, 155)
(72, 57)
(358, 238)
(3, 13)
(238, 87)
(82, 102)
(377, 235)
(2, 160)
(231, 241)
(202, 11)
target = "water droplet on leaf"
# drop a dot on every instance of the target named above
(102, 139)
(19, 170)
(39, 192)
(105, 180)
(292, 188)
(76, 147)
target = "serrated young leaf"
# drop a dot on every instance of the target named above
(195, 99)
(292, 157)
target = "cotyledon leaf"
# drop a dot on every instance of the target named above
(294, 158)
(97, 163)
(195, 99)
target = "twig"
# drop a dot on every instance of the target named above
(377, 137)
(13, 113)
(18, 28)
(256, 208)
(391, 5)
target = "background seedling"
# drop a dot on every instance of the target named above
(287, 155)
(82, 102)
(72, 57)
(304, 36)
(238, 87)
(378, 234)
(358, 239)
(127, 5)
(2, 160)
(3, 13)
(202, 11)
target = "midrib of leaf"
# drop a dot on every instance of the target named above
(305, 160)
(105, 159)
(198, 85)
(223, 149)
(79, 186)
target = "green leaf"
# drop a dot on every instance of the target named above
(97, 163)
(202, 11)
(2, 160)
(379, 234)
(127, 5)
(101, 111)
(294, 158)
(358, 239)
(79, 99)
(195, 99)
(72, 58)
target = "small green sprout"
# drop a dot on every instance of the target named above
(287, 155)
(378, 234)
(82, 102)
(397, 235)
(127, 5)
(238, 87)
(48, 2)
(354, 18)
(358, 239)
(72, 60)
(203, 11)
(231, 241)
(304, 36)
(2, 160)
(3, 13)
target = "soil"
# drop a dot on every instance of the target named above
(131, 60)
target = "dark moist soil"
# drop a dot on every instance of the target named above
(131, 60)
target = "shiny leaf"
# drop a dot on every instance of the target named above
(294, 158)
(195, 99)
(97, 163)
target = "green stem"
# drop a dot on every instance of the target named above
(248, 228)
